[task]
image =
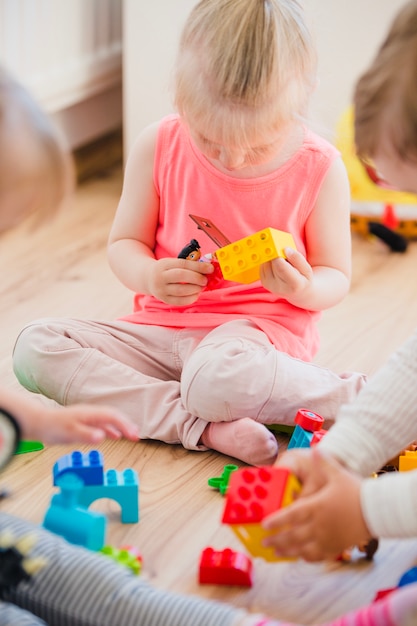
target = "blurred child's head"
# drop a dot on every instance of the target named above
(35, 168)
(385, 102)
(245, 70)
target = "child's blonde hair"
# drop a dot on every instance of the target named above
(385, 98)
(244, 60)
(33, 155)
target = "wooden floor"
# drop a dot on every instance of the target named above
(62, 270)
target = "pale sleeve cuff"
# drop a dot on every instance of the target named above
(389, 504)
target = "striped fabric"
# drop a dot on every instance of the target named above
(81, 588)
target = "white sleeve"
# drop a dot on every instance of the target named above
(389, 504)
(382, 420)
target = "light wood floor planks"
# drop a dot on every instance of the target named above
(62, 270)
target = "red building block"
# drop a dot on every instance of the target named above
(254, 493)
(225, 567)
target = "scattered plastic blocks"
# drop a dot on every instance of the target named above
(73, 522)
(240, 261)
(222, 482)
(123, 487)
(307, 424)
(225, 567)
(407, 461)
(253, 494)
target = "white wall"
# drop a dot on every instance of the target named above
(68, 53)
(347, 34)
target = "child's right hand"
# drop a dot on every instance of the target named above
(177, 281)
(326, 518)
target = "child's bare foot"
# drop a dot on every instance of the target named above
(243, 439)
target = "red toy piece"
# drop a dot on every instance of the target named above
(224, 567)
(318, 435)
(309, 421)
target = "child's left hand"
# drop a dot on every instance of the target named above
(287, 277)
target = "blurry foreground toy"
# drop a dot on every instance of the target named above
(82, 480)
(253, 494)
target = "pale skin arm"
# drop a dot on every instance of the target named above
(323, 279)
(132, 237)
(79, 423)
(327, 516)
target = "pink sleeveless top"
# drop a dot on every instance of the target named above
(187, 182)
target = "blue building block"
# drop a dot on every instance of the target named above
(123, 487)
(409, 577)
(75, 523)
(300, 438)
(87, 466)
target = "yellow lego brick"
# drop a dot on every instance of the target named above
(408, 461)
(240, 261)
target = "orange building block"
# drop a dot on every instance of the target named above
(240, 261)
(407, 461)
(253, 494)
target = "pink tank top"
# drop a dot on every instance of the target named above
(187, 182)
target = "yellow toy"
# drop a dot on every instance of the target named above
(407, 461)
(240, 261)
(254, 493)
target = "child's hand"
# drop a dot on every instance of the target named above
(79, 423)
(326, 518)
(177, 281)
(287, 277)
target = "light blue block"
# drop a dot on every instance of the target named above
(300, 438)
(67, 518)
(123, 487)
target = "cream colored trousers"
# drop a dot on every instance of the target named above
(172, 382)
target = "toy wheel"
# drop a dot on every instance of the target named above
(308, 420)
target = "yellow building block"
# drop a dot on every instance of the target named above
(408, 461)
(240, 261)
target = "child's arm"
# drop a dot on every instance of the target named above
(382, 419)
(322, 280)
(132, 237)
(79, 423)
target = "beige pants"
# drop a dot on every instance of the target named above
(171, 382)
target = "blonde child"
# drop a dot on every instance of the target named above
(340, 504)
(77, 587)
(208, 368)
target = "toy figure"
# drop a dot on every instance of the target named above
(191, 252)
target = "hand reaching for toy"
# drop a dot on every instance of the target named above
(326, 518)
(82, 423)
(178, 281)
(78, 423)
